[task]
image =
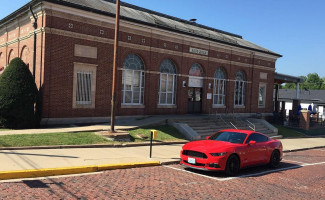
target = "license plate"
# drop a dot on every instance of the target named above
(191, 160)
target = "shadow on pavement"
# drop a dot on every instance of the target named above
(248, 172)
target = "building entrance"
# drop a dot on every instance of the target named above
(194, 100)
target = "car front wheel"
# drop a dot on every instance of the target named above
(275, 159)
(232, 166)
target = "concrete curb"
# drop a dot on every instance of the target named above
(71, 170)
(91, 146)
(303, 149)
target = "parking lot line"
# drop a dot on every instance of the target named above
(294, 161)
(247, 175)
(218, 179)
(311, 164)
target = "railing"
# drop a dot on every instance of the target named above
(252, 125)
(219, 116)
(234, 120)
(233, 125)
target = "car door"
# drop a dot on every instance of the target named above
(256, 152)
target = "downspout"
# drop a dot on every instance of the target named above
(34, 54)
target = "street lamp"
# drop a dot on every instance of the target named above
(117, 23)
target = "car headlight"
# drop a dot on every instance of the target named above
(218, 154)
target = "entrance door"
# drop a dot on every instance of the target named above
(194, 100)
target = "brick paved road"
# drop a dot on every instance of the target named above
(303, 177)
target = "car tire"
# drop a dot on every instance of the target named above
(233, 165)
(275, 159)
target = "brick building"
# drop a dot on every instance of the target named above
(166, 65)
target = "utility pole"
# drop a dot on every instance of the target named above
(117, 24)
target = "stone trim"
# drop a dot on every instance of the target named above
(132, 106)
(218, 106)
(166, 106)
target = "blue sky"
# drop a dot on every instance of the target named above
(292, 28)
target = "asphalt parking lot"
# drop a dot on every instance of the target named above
(300, 176)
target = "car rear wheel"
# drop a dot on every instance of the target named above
(275, 159)
(232, 166)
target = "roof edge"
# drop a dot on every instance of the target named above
(34, 2)
(175, 18)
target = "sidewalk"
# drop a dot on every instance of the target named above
(120, 124)
(46, 162)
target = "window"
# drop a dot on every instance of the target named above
(83, 88)
(11, 56)
(25, 55)
(240, 89)
(133, 80)
(232, 137)
(257, 138)
(219, 87)
(261, 95)
(195, 76)
(84, 85)
(167, 83)
(196, 70)
(2, 64)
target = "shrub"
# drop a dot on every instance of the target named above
(18, 94)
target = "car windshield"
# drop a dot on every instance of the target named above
(232, 137)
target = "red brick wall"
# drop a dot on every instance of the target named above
(55, 64)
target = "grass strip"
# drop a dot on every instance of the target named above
(165, 133)
(288, 132)
(48, 139)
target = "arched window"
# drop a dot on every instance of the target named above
(25, 55)
(239, 95)
(11, 55)
(219, 88)
(196, 70)
(133, 80)
(2, 64)
(167, 83)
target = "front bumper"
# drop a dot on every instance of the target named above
(217, 163)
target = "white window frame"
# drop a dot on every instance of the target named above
(216, 92)
(167, 92)
(141, 86)
(86, 90)
(240, 91)
(261, 85)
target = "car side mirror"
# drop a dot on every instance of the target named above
(252, 142)
(208, 137)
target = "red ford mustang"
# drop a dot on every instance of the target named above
(230, 150)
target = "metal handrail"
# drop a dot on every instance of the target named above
(233, 125)
(220, 117)
(253, 128)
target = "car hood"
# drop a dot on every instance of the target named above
(208, 146)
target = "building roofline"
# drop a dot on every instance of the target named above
(25, 8)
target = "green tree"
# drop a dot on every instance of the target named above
(310, 82)
(314, 82)
(289, 86)
(323, 86)
(18, 95)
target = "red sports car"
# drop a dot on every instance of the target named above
(230, 150)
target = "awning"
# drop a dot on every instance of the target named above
(283, 78)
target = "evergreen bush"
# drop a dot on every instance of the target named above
(18, 95)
